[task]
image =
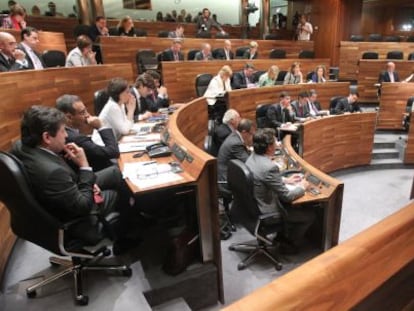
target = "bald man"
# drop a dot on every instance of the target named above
(11, 59)
(226, 52)
(205, 53)
(389, 75)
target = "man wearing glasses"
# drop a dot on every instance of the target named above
(11, 59)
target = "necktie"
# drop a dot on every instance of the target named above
(224, 85)
(227, 54)
(176, 56)
(37, 64)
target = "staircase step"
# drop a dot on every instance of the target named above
(382, 145)
(386, 163)
(177, 304)
(385, 153)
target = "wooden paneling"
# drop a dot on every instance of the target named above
(179, 77)
(351, 53)
(42, 87)
(393, 104)
(190, 29)
(113, 53)
(369, 71)
(246, 100)
(47, 40)
(338, 142)
(342, 277)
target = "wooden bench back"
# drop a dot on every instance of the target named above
(179, 77)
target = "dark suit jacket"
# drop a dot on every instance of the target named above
(238, 80)
(99, 157)
(385, 77)
(168, 55)
(200, 56)
(221, 133)
(232, 148)
(276, 116)
(143, 105)
(65, 194)
(29, 60)
(220, 54)
(343, 106)
(247, 55)
(300, 113)
(6, 66)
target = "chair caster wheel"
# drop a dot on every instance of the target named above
(31, 294)
(107, 252)
(233, 228)
(127, 272)
(232, 248)
(241, 266)
(278, 267)
(82, 300)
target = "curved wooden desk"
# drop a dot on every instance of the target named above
(43, 87)
(179, 77)
(370, 271)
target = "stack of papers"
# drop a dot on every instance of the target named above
(137, 142)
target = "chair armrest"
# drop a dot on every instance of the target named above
(270, 216)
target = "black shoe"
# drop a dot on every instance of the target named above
(123, 245)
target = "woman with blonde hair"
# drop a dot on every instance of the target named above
(219, 84)
(126, 27)
(269, 77)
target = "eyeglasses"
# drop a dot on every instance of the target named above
(82, 112)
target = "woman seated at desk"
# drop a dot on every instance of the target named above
(126, 27)
(269, 77)
(113, 113)
(294, 76)
(319, 75)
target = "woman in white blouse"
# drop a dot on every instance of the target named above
(82, 55)
(219, 85)
(113, 113)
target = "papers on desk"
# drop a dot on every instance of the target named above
(149, 174)
(137, 142)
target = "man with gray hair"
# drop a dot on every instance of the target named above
(231, 120)
(77, 117)
(11, 59)
(205, 53)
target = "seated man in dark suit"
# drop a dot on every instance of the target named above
(347, 104)
(242, 79)
(11, 59)
(225, 53)
(280, 113)
(29, 41)
(314, 106)
(235, 146)
(145, 108)
(159, 94)
(173, 53)
(389, 75)
(270, 188)
(231, 120)
(205, 53)
(77, 117)
(67, 194)
(301, 107)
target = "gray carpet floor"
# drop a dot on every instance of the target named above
(369, 196)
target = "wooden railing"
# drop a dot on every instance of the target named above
(370, 271)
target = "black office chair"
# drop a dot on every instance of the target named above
(281, 77)
(54, 58)
(240, 51)
(395, 55)
(113, 31)
(374, 37)
(392, 39)
(306, 54)
(272, 36)
(357, 38)
(334, 73)
(203, 34)
(100, 98)
(309, 75)
(277, 53)
(333, 102)
(369, 55)
(261, 115)
(248, 214)
(215, 52)
(140, 32)
(191, 54)
(146, 59)
(410, 56)
(256, 75)
(220, 35)
(32, 222)
(81, 30)
(163, 34)
(410, 38)
(201, 83)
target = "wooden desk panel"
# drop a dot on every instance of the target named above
(351, 52)
(112, 53)
(369, 71)
(393, 104)
(179, 77)
(338, 142)
(47, 40)
(328, 282)
(409, 151)
(246, 100)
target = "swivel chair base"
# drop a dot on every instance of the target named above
(254, 248)
(75, 267)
